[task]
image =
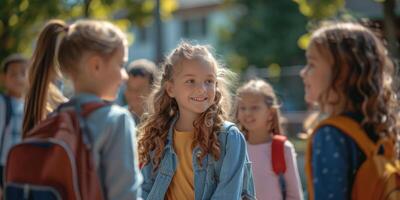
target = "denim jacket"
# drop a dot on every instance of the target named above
(114, 149)
(228, 178)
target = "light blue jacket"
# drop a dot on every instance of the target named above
(228, 178)
(114, 147)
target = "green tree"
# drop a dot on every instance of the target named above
(17, 18)
(317, 10)
(21, 20)
(264, 34)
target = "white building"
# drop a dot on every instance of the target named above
(194, 20)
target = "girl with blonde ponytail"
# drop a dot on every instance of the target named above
(92, 55)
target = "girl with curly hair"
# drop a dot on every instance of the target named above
(351, 77)
(187, 149)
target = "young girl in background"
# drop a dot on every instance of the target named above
(91, 53)
(350, 76)
(257, 112)
(187, 149)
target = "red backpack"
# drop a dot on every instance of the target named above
(278, 160)
(54, 161)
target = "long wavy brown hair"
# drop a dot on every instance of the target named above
(163, 109)
(264, 89)
(363, 76)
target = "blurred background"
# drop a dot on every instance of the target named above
(254, 38)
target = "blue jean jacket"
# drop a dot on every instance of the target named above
(228, 178)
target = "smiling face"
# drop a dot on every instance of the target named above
(253, 113)
(193, 87)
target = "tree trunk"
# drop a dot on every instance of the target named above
(86, 7)
(158, 36)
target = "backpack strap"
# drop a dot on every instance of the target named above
(278, 160)
(278, 154)
(353, 129)
(83, 111)
(347, 126)
(7, 101)
(88, 108)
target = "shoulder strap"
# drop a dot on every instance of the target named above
(8, 116)
(83, 111)
(278, 154)
(278, 160)
(92, 106)
(354, 130)
(347, 126)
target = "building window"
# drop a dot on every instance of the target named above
(194, 27)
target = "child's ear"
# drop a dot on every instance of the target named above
(170, 89)
(95, 63)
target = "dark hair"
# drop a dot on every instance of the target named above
(13, 58)
(144, 68)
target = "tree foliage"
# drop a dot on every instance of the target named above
(265, 33)
(319, 9)
(21, 20)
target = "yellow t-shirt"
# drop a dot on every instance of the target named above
(182, 184)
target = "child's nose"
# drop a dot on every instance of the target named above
(202, 87)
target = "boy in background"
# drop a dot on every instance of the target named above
(14, 68)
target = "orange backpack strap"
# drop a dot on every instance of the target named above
(347, 126)
(278, 154)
